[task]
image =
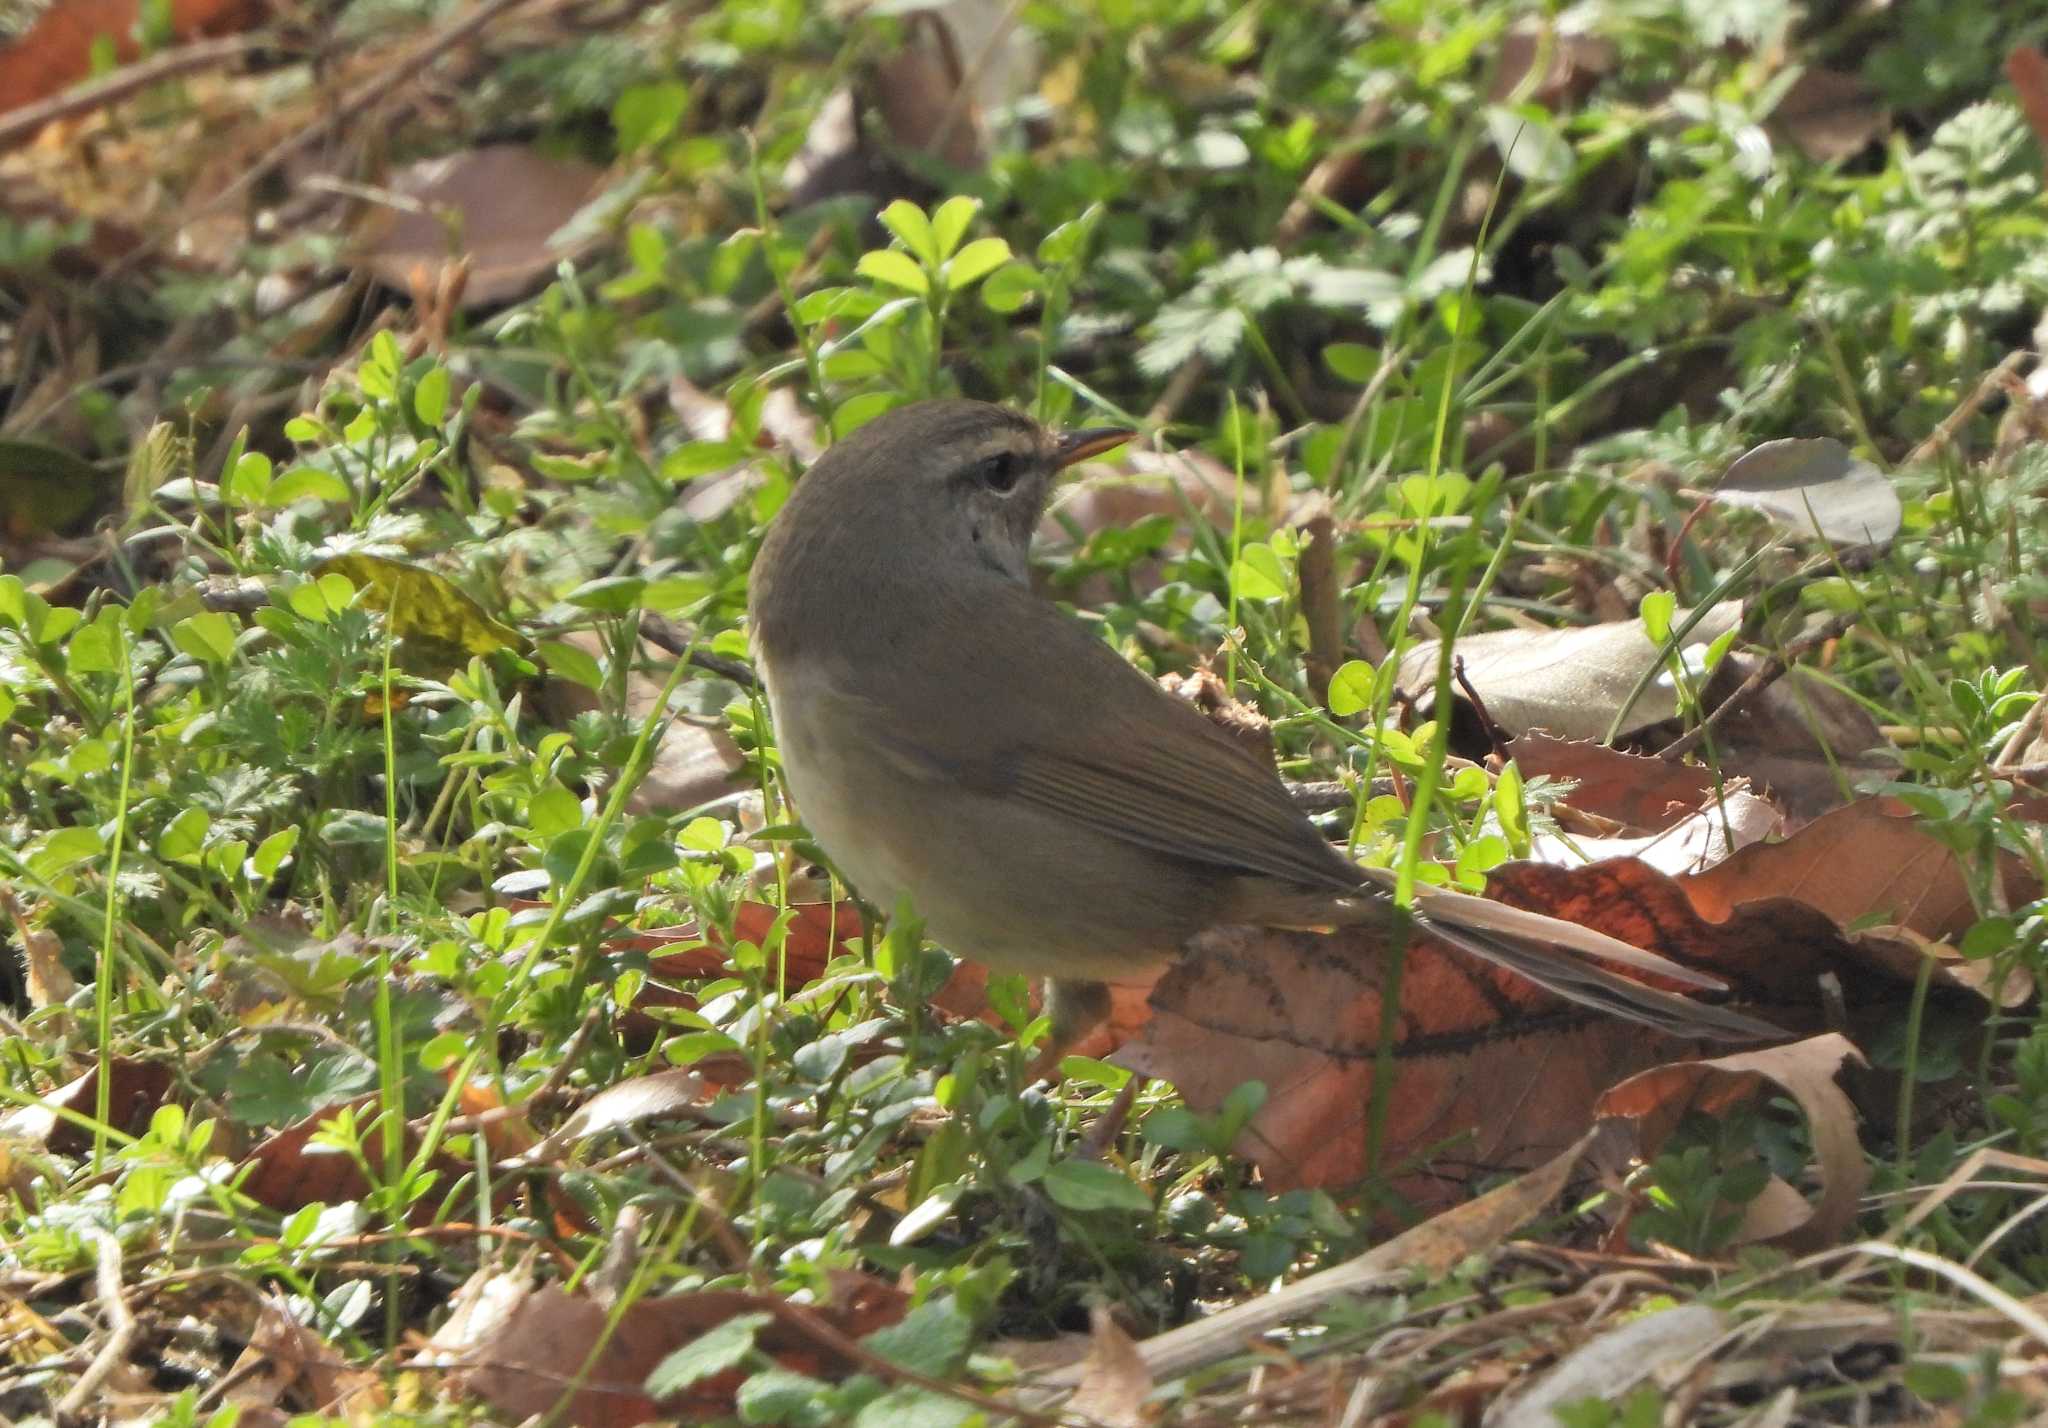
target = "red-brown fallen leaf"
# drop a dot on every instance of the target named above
(1301, 1012)
(1492, 1073)
(1645, 794)
(817, 932)
(135, 1090)
(287, 1172)
(965, 994)
(1657, 1100)
(56, 51)
(524, 1362)
(2027, 68)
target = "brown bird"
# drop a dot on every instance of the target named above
(949, 735)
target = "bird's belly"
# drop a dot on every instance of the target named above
(1006, 884)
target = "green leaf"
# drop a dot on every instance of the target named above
(1083, 1185)
(430, 397)
(1351, 688)
(908, 222)
(646, 114)
(711, 1353)
(572, 662)
(608, 594)
(886, 265)
(974, 262)
(306, 483)
(63, 848)
(1656, 610)
(377, 374)
(949, 224)
(554, 811)
(96, 647)
(1011, 287)
(271, 853)
(931, 1339)
(1065, 242)
(702, 458)
(184, 836)
(208, 637)
(1352, 361)
(249, 483)
(1259, 573)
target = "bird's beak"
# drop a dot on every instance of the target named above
(1073, 446)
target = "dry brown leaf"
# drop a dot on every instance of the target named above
(662, 1095)
(693, 764)
(286, 1364)
(1613, 1362)
(525, 1362)
(1431, 1248)
(497, 207)
(1572, 65)
(1301, 1012)
(1569, 681)
(1644, 794)
(1659, 1099)
(1732, 822)
(1801, 740)
(135, 1090)
(1830, 114)
(1870, 859)
(1114, 1380)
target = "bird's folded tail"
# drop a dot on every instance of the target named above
(1556, 955)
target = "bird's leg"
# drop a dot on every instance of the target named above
(1075, 1009)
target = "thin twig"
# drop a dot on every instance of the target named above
(26, 122)
(1942, 435)
(121, 1324)
(1768, 673)
(664, 635)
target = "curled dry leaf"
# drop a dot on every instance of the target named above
(135, 1090)
(660, 1096)
(1613, 1362)
(1814, 486)
(1709, 834)
(1569, 681)
(1872, 859)
(1659, 1099)
(1799, 739)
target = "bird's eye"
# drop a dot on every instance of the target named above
(999, 472)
